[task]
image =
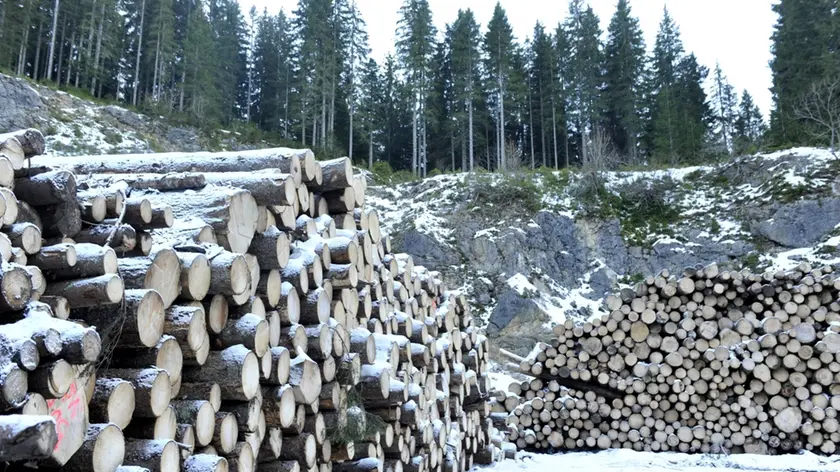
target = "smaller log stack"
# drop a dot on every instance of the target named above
(258, 320)
(705, 361)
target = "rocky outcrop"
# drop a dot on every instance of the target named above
(22, 105)
(802, 223)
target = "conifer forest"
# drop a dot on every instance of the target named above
(473, 95)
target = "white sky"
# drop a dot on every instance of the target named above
(734, 32)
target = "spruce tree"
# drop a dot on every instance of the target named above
(749, 126)
(624, 67)
(802, 55)
(585, 72)
(499, 45)
(415, 51)
(724, 103)
(465, 41)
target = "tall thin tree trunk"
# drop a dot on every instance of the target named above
(350, 138)
(22, 54)
(501, 125)
(554, 131)
(70, 56)
(52, 39)
(531, 122)
(98, 53)
(37, 50)
(60, 53)
(323, 114)
(89, 46)
(139, 54)
(370, 149)
(157, 63)
(414, 136)
(286, 108)
(303, 124)
(472, 147)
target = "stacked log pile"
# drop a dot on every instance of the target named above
(230, 311)
(705, 361)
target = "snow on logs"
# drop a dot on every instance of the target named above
(704, 361)
(209, 312)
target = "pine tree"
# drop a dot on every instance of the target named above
(667, 54)
(585, 71)
(415, 51)
(356, 50)
(724, 103)
(624, 68)
(371, 107)
(542, 93)
(562, 96)
(499, 48)
(465, 41)
(802, 55)
(749, 127)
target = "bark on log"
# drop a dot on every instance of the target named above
(121, 237)
(269, 186)
(49, 188)
(31, 141)
(160, 272)
(26, 236)
(152, 389)
(231, 212)
(24, 437)
(91, 261)
(155, 455)
(103, 450)
(112, 402)
(336, 174)
(236, 370)
(90, 292)
(138, 323)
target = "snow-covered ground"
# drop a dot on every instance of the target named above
(709, 202)
(624, 460)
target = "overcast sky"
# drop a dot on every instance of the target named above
(734, 32)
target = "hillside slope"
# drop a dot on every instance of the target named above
(531, 250)
(74, 126)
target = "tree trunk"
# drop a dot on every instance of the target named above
(139, 53)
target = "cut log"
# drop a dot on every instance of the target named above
(102, 450)
(95, 291)
(31, 141)
(160, 272)
(305, 377)
(337, 174)
(200, 415)
(24, 437)
(26, 236)
(91, 261)
(315, 307)
(232, 213)
(269, 186)
(49, 188)
(112, 402)
(139, 323)
(137, 211)
(205, 463)
(236, 370)
(155, 455)
(225, 433)
(301, 448)
(187, 324)
(166, 355)
(163, 182)
(250, 330)
(15, 287)
(55, 257)
(152, 389)
(195, 275)
(229, 273)
(121, 237)
(93, 205)
(279, 406)
(272, 248)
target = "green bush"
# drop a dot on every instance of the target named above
(644, 210)
(509, 191)
(383, 174)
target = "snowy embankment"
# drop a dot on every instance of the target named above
(722, 206)
(623, 460)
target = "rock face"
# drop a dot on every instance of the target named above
(801, 223)
(22, 105)
(573, 259)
